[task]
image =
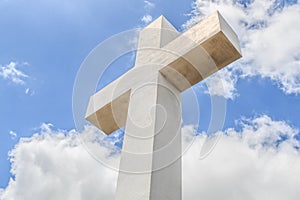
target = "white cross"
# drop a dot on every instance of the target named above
(147, 101)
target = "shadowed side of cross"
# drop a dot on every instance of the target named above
(147, 101)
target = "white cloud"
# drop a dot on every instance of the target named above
(13, 135)
(270, 43)
(1, 192)
(149, 5)
(29, 92)
(11, 73)
(246, 164)
(146, 19)
(222, 84)
(55, 165)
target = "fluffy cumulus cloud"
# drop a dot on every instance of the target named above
(259, 160)
(11, 73)
(54, 165)
(269, 35)
(222, 84)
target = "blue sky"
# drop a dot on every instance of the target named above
(54, 38)
(43, 44)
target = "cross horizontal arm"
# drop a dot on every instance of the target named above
(200, 51)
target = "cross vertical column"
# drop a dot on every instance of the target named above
(167, 174)
(150, 166)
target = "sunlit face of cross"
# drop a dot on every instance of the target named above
(147, 101)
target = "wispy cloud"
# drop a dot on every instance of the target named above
(11, 73)
(29, 92)
(269, 34)
(13, 135)
(149, 5)
(147, 17)
(252, 161)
